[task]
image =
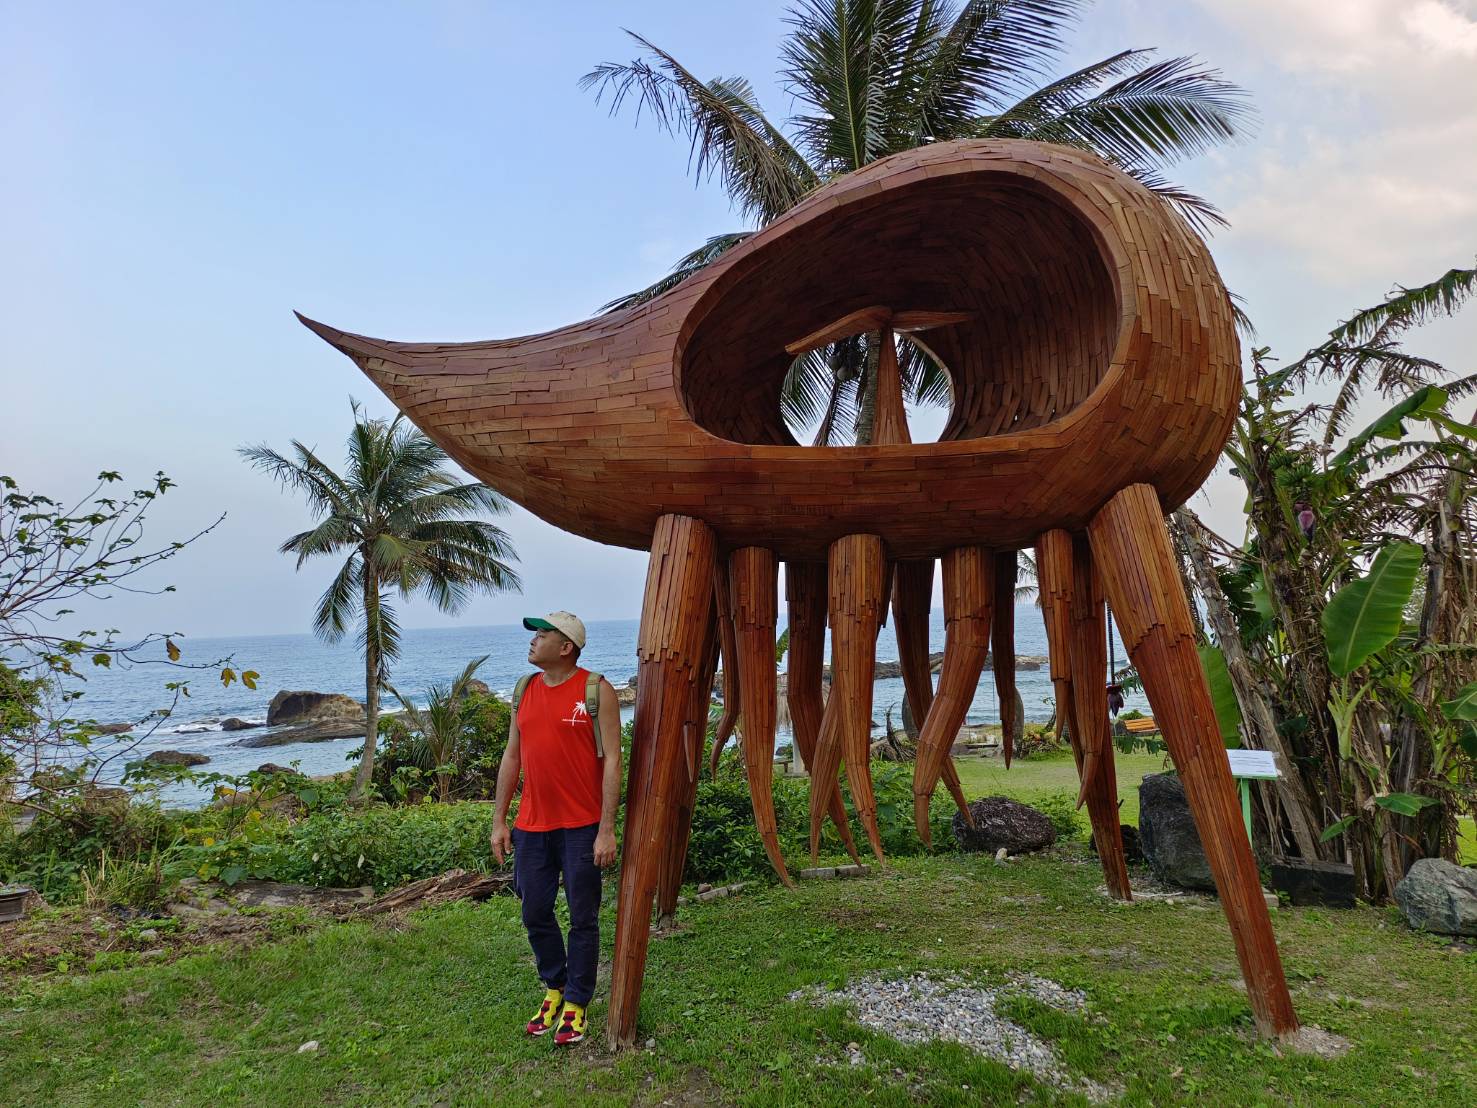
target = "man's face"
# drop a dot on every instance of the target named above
(546, 647)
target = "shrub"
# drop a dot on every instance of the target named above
(1061, 809)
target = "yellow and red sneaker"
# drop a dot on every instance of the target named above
(548, 1013)
(571, 1026)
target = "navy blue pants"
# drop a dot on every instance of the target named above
(540, 858)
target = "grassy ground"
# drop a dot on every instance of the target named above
(429, 1009)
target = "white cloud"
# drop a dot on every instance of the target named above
(1369, 167)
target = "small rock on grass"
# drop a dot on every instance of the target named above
(308, 1047)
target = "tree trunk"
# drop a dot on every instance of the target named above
(362, 779)
(866, 400)
(1413, 748)
(1256, 708)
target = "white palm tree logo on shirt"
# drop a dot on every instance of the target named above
(581, 714)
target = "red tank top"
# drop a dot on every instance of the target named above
(561, 774)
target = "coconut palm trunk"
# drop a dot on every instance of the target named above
(372, 676)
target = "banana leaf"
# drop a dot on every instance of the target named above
(1365, 615)
(1222, 695)
(1463, 706)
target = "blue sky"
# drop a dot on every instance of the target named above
(178, 178)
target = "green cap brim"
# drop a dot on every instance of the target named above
(534, 623)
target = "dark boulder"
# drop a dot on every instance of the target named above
(1168, 835)
(176, 758)
(274, 768)
(235, 723)
(1315, 884)
(1002, 822)
(1438, 896)
(1133, 850)
(112, 728)
(307, 707)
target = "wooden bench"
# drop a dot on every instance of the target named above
(1145, 726)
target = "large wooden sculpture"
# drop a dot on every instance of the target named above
(1095, 375)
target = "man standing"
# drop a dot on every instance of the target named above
(566, 818)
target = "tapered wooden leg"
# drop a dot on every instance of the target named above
(670, 651)
(854, 587)
(805, 596)
(1002, 647)
(1058, 561)
(1133, 552)
(912, 598)
(670, 883)
(1090, 716)
(732, 679)
(753, 591)
(969, 588)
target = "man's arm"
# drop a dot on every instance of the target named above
(610, 786)
(508, 772)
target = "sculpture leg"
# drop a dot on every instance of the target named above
(854, 585)
(753, 585)
(968, 594)
(1090, 716)
(805, 596)
(670, 883)
(669, 651)
(1002, 643)
(1069, 619)
(1132, 548)
(912, 597)
(732, 680)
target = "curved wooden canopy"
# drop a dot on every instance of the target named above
(1086, 332)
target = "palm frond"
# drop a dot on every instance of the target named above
(837, 58)
(329, 537)
(1160, 114)
(339, 602)
(727, 131)
(991, 51)
(1410, 307)
(690, 263)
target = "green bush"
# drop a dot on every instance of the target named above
(725, 844)
(383, 847)
(54, 853)
(1061, 809)
(404, 769)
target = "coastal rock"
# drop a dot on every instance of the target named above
(113, 728)
(176, 758)
(1003, 824)
(478, 686)
(274, 768)
(1438, 896)
(235, 723)
(309, 707)
(319, 732)
(1168, 835)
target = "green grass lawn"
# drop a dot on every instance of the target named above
(429, 1010)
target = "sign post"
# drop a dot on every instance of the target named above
(1248, 766)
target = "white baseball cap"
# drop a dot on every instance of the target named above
(566, 623)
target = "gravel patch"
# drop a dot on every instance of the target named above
(919, 1009)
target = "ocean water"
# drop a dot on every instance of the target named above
(430, 656)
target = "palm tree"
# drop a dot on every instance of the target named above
(441, 726)
(395, 513)
(875, 77)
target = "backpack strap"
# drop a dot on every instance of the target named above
(592, 705)
(519, 689)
